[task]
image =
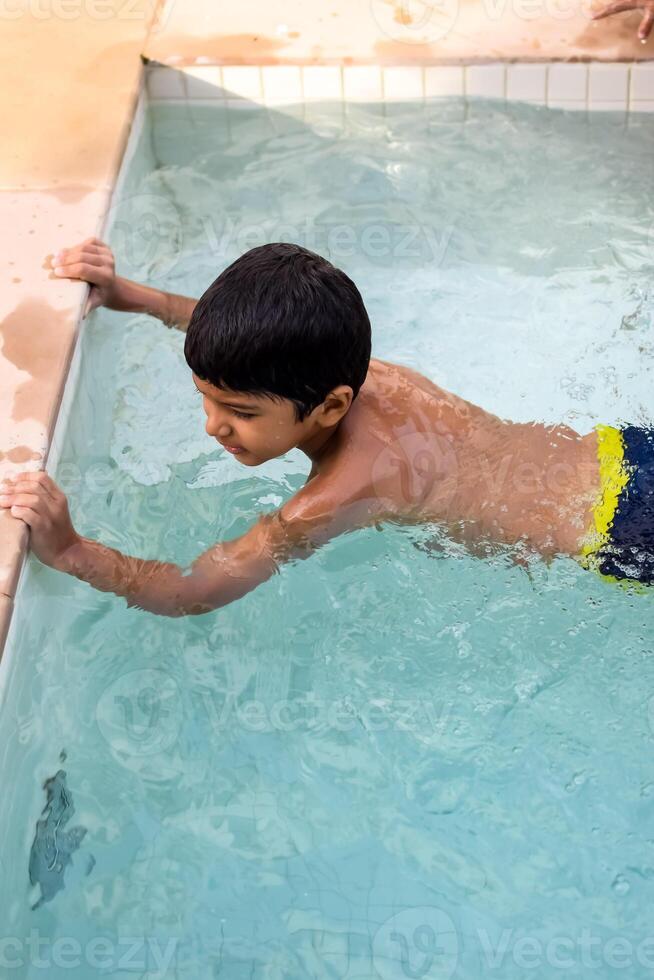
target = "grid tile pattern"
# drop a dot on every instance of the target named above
(619, 87)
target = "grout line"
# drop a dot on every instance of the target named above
(304, 101)
(547, 85)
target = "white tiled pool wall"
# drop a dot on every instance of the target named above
(619, 87)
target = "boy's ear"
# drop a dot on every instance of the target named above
(335, 405)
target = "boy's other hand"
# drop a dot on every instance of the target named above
(92, 262)
(37, 500)
(647, 7)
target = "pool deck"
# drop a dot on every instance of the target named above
(391, 32)
(73, 70)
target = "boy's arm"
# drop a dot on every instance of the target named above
(93, 262)
(225, 572)
(220, 575)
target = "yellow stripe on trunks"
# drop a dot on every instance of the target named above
(614, 476)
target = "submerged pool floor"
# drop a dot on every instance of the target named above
(385, 762)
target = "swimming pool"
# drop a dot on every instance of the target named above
(382, 762)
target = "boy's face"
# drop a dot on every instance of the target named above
(252, 427)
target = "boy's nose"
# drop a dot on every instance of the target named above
(217, 429)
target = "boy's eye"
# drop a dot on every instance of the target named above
(239, 415)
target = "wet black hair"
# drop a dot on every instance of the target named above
(282, 322)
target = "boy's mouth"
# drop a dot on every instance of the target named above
(235, 450)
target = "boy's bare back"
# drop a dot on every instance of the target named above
(411, 452)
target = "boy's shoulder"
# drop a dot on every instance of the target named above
(356, 487)
(329, 503)
(347, 476)
(338, 497)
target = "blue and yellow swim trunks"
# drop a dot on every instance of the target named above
(621, 543)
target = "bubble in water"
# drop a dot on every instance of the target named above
(620, 885)
(578, 779)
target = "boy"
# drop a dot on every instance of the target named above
(279, 349)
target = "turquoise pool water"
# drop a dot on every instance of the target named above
(382, 763)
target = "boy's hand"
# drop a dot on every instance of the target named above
(93, 262)
(647, 7)
(37, 500)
